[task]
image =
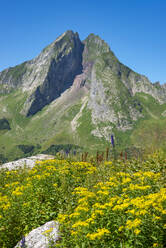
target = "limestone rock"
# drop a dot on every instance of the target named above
(41, 237)
(28, 162)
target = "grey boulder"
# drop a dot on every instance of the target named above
(41, 237)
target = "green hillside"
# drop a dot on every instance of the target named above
(78, 93)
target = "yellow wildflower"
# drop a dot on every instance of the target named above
(75, 214)
(137, 231)
(80, 224)
(123, 174)
(90, 220)
(102, 192)
(82, 208)
(15, 192)
(100, 212)
(111, 184)
(130, 224)
(26, 204)
(121, 228)
(98, 205)
(82, 200)
(141, 212)
(121, 206)
(132, 211)
(149, 174)
(138, 174)
(62, 217)
(157, 217)
(37, 177)
(99, 234)
(47, 231)
(73, 233)
(126, 180)
(5, 206)
(91, 170)
(108, 163)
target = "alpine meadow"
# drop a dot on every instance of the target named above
(82, 151)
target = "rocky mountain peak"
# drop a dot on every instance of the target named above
(53, 72)
(95, 39)
(94, 47)
(67, 37)
(86, 91)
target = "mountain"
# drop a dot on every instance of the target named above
(78, 92)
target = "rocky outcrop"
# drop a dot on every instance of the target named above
(28, 162)
(41, 237)
(4, 124)
(12, 78)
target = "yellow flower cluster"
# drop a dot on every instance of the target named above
(96, 204)
(62, 217)
(123, 192)
(132, 224)
(4, 202)
(80, 224)
(84, 167)
(99, 234)
(81, 191)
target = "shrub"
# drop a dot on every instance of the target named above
(4, 124)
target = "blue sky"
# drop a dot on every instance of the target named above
(134, 29)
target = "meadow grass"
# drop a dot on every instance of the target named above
(118, 204)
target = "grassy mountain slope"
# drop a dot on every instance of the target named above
(78, 93)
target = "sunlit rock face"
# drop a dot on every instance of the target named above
(41, 237)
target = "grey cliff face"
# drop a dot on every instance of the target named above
(110, 100)
(65, 62)
(11, 78)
